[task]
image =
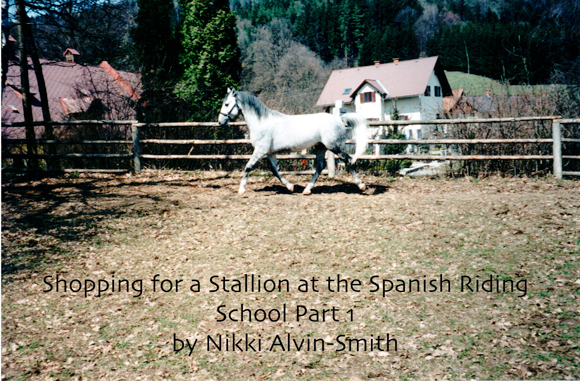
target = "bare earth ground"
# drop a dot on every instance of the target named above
(194, 226)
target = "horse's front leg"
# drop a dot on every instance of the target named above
(320, 164)
(256, 156)
(274, 168)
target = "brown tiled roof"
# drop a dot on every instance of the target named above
(68, 83)
(400, 79)
(450, 101)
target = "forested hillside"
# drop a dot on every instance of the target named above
(530, 41)
(187, 51)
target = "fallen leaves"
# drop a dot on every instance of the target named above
(194, 226)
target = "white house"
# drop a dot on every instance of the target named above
(408, 90)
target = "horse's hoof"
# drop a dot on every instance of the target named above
(306, 191)
(362, 187)
(241, 191)
(290, 187)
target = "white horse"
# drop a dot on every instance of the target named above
(272, 132)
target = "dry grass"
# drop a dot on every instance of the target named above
(194, 226)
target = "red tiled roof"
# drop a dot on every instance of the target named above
(68, 82)
(76, 105)
(115, 74)
(400, 79)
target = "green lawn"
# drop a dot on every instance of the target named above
(474, 85)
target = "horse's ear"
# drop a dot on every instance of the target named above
(229, 90)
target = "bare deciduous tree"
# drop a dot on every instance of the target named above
(285, 74)
(100, 30)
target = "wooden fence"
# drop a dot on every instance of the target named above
(132, 143)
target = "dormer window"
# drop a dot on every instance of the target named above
(368, 97)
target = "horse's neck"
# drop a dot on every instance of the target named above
(252, 116)
(252, 119)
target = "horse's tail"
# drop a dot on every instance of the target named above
(360, 134)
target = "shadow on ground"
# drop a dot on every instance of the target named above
(326, 189)
(40, 219)
(43, 220)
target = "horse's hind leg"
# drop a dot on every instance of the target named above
(320, 164)
(347, 160)
(274, 168)
(256, 156)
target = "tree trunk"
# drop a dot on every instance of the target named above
(25, 84)
(41, 88)
(5, 38)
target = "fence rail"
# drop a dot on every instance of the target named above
(134, 143)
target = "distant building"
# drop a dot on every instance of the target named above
(456, 105)
(75, 92)
(406, 90)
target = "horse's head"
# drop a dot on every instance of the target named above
(230, 109)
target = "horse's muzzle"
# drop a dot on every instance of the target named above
(223, 121)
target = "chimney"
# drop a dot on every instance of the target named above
(70, 55)
(377, 63)
(395, 60)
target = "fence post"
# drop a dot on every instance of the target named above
(557, 148)
(136, 154)
(330, 163)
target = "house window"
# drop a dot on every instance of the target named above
(367, 97)
(437, 91)
(346, 91)
(428, 91)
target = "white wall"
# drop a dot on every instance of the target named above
(432, 105)
(409, 107)
(348, 106)
(370, 110)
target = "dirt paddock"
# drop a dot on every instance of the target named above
(413, 279)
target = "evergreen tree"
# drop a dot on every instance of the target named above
(157, 48)
(386, 44)
(156, 35)
(350, 27)
(211, 58)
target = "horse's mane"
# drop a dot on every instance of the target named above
(257, 105)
